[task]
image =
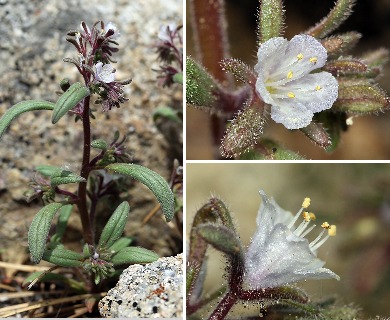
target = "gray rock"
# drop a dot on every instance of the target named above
(147, 291)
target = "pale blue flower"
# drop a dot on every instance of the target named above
(286, 83)
(279, 253)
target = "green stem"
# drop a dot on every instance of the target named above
(82, 191)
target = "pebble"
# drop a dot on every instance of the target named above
(153, 290)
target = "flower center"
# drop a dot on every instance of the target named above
(302, 231)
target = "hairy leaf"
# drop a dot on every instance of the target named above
(65, 177)
(69, 100)
(243, 132)
(361, 98)
(340, 12)
(99, 144)
(63, 218)
(48, 170)
(115, 225)
(221, 238)
(63, 257)
(39, 230)
(166, 112)
(120, 244)
(152, 180)
(271, 17)
(200, 85)
(21, 107)
(131, 255)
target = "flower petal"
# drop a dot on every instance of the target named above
(292, 115)
(278, 261)
(312, 53)
(317, 92)
(270, 55)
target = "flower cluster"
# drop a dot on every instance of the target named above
(170, 52)
(279, 253)
(286, 83)
(95, 47)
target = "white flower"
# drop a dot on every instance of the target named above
(279, 253)
(104, 73)
(165, 31)
(112, 26)
(285, 82)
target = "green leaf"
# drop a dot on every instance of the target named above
(166, 112)
(65, 177)
(69, 100)
(361, 98)
(63, 257)
(178, 78)
(120, 244)
(317, 133)
(271, 17)
(39, 230)
(48, 170)
(131, 255)
(340, 12)
(114, 226)
(199, 85)
(21, 107)
(221, 238)
(270, 150)
(63, 218)
(152, 180)
(99, 144)
(243, 131)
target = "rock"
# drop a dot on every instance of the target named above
(147, 291)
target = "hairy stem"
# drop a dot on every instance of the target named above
(224, 306)
(82, 191)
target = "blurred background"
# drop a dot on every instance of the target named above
(368, 138)
(355, 197)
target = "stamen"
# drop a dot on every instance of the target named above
(301, 227)
(318, 88)
(325, 225)
(300, 56)
(332, 230)
(291, 95)
(308, 230)
(316, 239)
(290, 75)
(306, 216)
(295, 218)
(313, 60)
(306, 203)
(319, 244)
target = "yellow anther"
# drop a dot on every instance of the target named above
(306, 203)
(313, 59)
(318, 88)
(290, 75)
(291, 95)
(306, 216)
(300, 56)
(325, 225)
(312, 216)
(332, 230)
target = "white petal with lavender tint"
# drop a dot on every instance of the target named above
(104, 73)
(279, 254)
(285, 82)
